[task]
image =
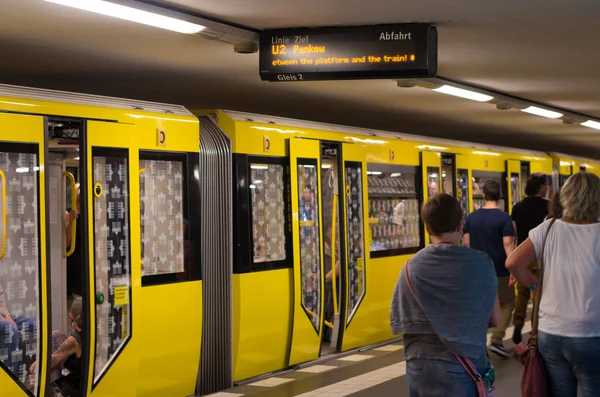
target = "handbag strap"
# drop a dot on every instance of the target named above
(535, 315)
(464, 361)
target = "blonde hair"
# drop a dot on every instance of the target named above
(580, 197)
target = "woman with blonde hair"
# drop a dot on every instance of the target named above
(569, 319)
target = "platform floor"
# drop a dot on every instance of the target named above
(378, 372)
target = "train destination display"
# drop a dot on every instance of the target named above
(348, 53)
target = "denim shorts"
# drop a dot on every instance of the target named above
(436, 378)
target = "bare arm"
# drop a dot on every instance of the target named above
(466, 240)
(496, 313)
(509, 244)
(69, 227)
(518, 263)
(68, 347)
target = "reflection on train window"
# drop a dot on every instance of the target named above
(268, 212)
(514, 182)
(19, 263)
(562, 179)
(310, 256)
(393, 210)
(433, 181)
(462, 182)
(356, 240)
(162, 216)
(111, 255)
(448, 174)
(479, 180)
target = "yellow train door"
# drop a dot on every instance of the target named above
(24, 299)
(111, 180)
(513, 172)
(431, 169)
(355, 208)
(308, 278)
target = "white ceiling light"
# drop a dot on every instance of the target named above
(132, 14)
(542, 112)
(591, 124)
(459, 92)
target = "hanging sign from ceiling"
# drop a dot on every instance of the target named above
(349, 53)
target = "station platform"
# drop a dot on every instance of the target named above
(377, 372)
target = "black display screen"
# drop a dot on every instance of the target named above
(347, 53)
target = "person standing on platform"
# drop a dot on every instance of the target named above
(443, 303)
(489, 229)
(527, 214)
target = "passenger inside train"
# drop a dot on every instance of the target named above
(66, 365)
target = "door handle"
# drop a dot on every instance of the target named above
(71, 179)
(4, 215)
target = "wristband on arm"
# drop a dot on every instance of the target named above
(534, 286)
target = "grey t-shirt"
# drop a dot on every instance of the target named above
(457, 287)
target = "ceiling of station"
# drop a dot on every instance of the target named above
(538, 50)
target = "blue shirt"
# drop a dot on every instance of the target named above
(487, 227)
(457, 287)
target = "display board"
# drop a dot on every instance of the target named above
(348, 53)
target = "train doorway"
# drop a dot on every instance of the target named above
(329, 243)
(331, 246)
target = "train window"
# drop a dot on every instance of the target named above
(112, 257)
(462, 182)
(356, 241)
(19, 262)
(310, 248)
(168, 223)
(393, 210)
(268, 212)
(514, 183)
(479, 180)
(162, 216)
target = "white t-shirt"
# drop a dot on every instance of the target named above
(570, 303)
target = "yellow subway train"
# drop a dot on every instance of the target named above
(208, 247)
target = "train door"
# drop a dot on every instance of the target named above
(431, 170)
(110, 173)
(24, 325)
(514, 185)
(332, 245)
(308, 278)
(355, 209)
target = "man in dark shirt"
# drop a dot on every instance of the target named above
(489, 229)
(527, 214)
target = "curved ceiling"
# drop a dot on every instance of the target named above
(538, 50)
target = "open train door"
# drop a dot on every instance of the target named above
(513, 175)
(23, 256)
(353, 200)
(110, 174)
(431, 169)
(308, 296)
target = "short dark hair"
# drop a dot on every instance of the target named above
(491, 191)
(535, 183)
(441, 214)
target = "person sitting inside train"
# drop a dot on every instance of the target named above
(68, 354)
(15, 331)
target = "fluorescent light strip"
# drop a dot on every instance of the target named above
(542, 112)
(591, 124)
(132, 15)
(459, 92)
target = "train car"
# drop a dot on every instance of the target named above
(98, 200)
(565, 165)
(210, 248)
(325, 218)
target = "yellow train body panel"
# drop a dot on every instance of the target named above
(262, 310)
